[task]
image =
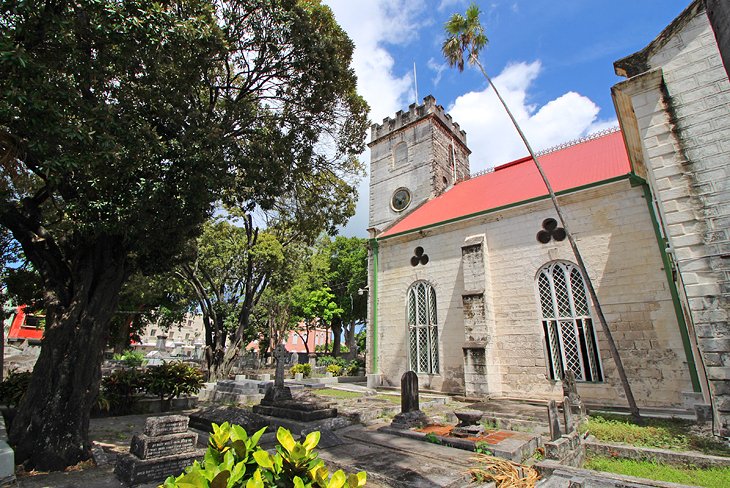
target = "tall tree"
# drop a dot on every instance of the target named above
(346, 275)
(230, 273)
(465, 34)
(120, 124)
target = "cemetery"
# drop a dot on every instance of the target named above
(183, 312)
(451, 440)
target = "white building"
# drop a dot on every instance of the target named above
(473, 286)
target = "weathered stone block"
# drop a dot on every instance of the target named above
(133, 470)
(7, 463)
(169, 424)
(145, 447)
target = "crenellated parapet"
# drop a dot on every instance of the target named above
(402, 119)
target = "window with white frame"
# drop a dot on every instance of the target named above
(570, 339)
(423, 328)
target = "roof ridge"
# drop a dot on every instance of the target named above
(580, 140)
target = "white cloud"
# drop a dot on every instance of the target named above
(490, 134)
(372, 25)
(439, 68)
(444, 4)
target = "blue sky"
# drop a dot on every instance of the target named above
(552, 61)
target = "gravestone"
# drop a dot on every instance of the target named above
(165, 448)
(567, 416)
(570, 390)
(409, 392)
(554, 420)
(410, 414)
(278, 392)
(280, 353)
(294, 359)
(278, 400)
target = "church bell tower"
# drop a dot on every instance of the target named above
(413, 158)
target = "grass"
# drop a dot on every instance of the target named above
(671, 434)
(333, 393)
(346, 395)
(709, 477)
(389, 398)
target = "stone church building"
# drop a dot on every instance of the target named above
(474, 286)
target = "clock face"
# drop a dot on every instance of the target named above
(401, 199)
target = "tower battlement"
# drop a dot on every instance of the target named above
(415, 113)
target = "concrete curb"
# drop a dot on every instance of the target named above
(659, 455)
(555, 473)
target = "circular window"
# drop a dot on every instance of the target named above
(401, 199)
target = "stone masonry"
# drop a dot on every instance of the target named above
(615, 233)
(674, 110)
(165, 448)
(414, 151)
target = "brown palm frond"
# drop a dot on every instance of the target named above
(505, 474)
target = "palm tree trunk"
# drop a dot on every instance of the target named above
(591, 290)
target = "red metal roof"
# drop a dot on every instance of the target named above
(592, 161)
(19, 331)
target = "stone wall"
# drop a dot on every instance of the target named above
(614, 231)
(677, 106)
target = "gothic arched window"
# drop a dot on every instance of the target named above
(423, 328)
(570, 339)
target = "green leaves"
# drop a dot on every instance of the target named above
(294, 464)
(464, 33)
(285, 439)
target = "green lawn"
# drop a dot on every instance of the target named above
(334, 393)
(710, 477)
(659, 433)
(331, 392)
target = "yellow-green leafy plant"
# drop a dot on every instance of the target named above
(305, 369)
(234, 460)
(335, 369)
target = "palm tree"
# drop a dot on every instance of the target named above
(465, 34)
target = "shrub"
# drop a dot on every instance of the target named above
(330, 347)
(329, 360)
(173, 379)
(334, 369)
(120, 390)
(13, 387)
(305, 369)
(234, 460)
(131, 358)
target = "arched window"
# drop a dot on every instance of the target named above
(423, 328)
(570, 340)
(400, 154)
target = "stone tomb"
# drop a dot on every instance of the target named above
(278, 400)
(239, 391)
(165, 448)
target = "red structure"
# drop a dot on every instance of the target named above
(26, 326)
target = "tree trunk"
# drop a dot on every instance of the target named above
(578, 257)
(350, 340)
(216, 364)
(3, 316)
(337, 331)
(50, 430)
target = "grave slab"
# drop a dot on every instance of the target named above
(134, 470)
(145, 447)
(169, 424)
